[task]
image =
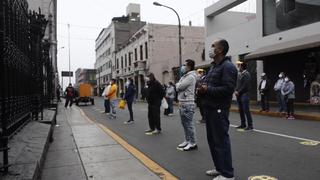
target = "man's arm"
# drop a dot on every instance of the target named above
(183, 85)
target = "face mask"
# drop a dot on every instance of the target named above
(147, 79)
(127, 83)
(280, 76)
(286, 79)
(211, 54)
(183, 69)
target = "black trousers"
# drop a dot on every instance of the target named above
(154, 116)
(107, 106)
(265, 102)
(290, 109)
(217, 124)
(129, 104)
(68, 100)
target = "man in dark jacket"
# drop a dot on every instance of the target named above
(242, 94)
(70, 93)
(264, 88)
(217, 91)
(129, 97)
(155, 94)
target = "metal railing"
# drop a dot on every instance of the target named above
(25, 70)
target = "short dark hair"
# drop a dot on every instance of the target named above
(244, 65)
(114, 80)
(225, 46)
(131, 80)
(190, 63)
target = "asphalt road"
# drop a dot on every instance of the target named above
(274, 149)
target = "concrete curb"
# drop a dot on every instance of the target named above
(298, 115)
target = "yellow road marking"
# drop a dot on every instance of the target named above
(153, 166)
(309, 143)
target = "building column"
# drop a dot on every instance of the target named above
(139, 86)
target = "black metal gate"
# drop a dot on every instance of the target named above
(25, 69)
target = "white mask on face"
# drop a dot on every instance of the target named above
(211, 54)
(147, 79)
(127, 83)
(286, 79)
(280, 76)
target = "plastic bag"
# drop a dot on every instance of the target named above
(164, 103)
(122, 104)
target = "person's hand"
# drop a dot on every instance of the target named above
(236, 93)
(203, 89)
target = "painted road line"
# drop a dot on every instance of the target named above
(281, 135)
(153, 166)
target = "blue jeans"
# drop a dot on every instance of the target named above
(170, 105)
(217, 124)
(244, 110)
(186, 114)
(281, 102)
(113, 104)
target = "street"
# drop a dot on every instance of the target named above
(273, 149)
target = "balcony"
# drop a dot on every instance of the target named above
(140, 66)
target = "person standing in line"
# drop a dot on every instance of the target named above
(217, 91)
(106, 99)
(288, 92)
(186, 97)
(58, 93)
(154, 95)
(200, 79)
(315, 91)
(112, 96)
(242, 94)
(277, 88)
(170, 92)
(70, 92)
(264, 87)
(129, 97)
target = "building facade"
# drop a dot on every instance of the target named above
(109, 41)
(154, 48)
(87, 76)
(280, 36)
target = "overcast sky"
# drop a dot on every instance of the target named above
(88, 17)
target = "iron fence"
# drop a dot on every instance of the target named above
(25, 70)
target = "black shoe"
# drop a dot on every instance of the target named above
(241, 127)
(190, 147)
(249, 128)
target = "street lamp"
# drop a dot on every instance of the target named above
(158, 4)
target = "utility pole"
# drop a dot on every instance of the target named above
(69, 53)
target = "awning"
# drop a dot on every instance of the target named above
(285, 47)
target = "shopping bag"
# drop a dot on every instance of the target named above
(164, 103)
(122, 104)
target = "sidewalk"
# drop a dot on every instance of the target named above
(81, 150)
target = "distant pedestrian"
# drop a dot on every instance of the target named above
(277, 88)
(112, 96)
(121, 93)
(129, 97)
(170, 95)
(58, 93)
(70, 93)
(106, 98)
(264, 88)
(315, 91)
(217, 90)
(288, 91)
(242, 94)
(186, 97)
(154, 95)
(200, 80)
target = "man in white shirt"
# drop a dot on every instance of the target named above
(106, 99)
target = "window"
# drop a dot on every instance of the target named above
(135, 54)
(141, 53)
(146, 49)
(117, 65)
(130, 57)
(121, 62)
(125, 61)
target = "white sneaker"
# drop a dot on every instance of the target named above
(222, 178)
(183, 144)
(190, 147)
(212, 172)
(170, 114)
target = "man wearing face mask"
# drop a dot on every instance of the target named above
(217, 92)
(288, 92)
(129, 97)
(186, 97)
(154, 96)
(277, 88)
